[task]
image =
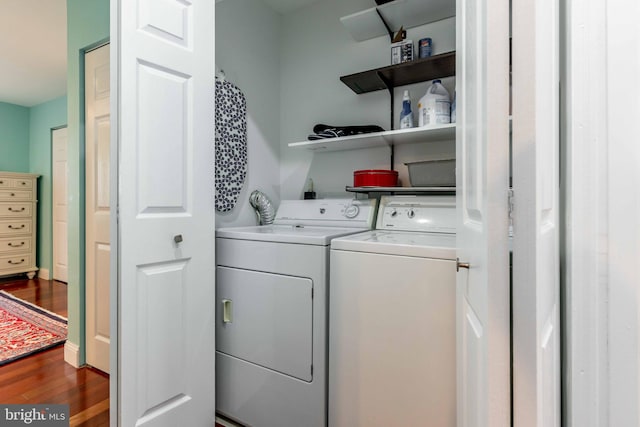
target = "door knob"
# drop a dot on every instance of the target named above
(460, 265)
(177, 238)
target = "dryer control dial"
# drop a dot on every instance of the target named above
(351, 211)
(411, 213)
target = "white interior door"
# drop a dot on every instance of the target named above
(97, 207)
(60, 210)
(166, 260)
(482, 147)
(536, 290)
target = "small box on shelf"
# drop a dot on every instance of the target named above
(401, 51)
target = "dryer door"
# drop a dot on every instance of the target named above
(265, 319)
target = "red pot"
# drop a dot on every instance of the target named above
(375, 178)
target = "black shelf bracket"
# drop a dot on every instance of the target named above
(389, 30)
(390, 87)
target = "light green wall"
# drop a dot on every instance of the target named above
(43, 118)
(14, 138)
(87, 26)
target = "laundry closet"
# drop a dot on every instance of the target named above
(298, 67)
(289, 68)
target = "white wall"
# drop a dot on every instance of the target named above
(623, 156)
(315, 51)
(247, 38)
(602, 369)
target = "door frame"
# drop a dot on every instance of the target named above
(74, 353)
(114, 290)
(53, 129)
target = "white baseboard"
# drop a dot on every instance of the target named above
(72, 354)
(43, 274)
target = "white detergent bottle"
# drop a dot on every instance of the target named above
(406, 115)
(434, 107)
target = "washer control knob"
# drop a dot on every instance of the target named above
(351, 211)
(394, 213)
(411, 213)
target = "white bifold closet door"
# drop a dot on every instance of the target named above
(482, 155)
(484, 345)
(166, 233)
(536, 186)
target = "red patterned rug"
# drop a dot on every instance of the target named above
(26, 328)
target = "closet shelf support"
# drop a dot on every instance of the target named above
(390, 87)
(386, 25)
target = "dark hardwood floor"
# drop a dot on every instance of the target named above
(45, 377)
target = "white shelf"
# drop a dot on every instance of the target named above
(366, 24)
(381, 139)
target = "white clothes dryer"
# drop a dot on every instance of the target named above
(392, 328)
(271, 320)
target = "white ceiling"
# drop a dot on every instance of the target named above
(33, 48)
(33, 51)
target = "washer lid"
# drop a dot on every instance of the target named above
(403, 243)
(300, 234)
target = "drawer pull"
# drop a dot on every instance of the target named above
(13, 194)
(16, 262)
(16, 228)
(16, 210)
(11, 244)
(23, 183)
(1, 182)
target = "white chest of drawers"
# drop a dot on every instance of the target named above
(18, 214)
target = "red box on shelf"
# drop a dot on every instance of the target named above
(375, 178)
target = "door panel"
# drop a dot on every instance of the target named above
(166, 282)
(482, 146)
(270, 320)
(536, 289)
(97, 206)
(60, 210)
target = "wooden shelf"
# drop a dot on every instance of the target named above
(380, 139)
(418, 70)
(366, 24)
(402, 190)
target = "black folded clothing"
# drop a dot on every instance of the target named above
(328, 131)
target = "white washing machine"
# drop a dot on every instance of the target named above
(271, 320)
(392, 359)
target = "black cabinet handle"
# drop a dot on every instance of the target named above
(18, 262)
(16, 210)
(16, 228)
(16, 246)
